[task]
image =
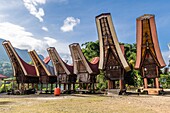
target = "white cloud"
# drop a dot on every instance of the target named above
(69, 24)
(32, 7)
(22, 39)
(58, 1)
(10, 4)
(44, 28)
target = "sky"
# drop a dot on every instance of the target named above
(39, 24)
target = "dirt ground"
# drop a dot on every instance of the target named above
(83, 103)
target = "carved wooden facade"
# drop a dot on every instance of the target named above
(44, 71)
(63, 71)
(85, 71)
(149, 59)
(112, 60)
(24, 72)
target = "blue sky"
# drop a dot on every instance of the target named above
(38, 24)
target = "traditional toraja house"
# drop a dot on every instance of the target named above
(44, 71)
(46, 60)
(112, 60)
(24, 72)
(149, 59)
(86, 72)
(63, 71)
(1, 78)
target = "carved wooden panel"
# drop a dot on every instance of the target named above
(149, 66)
(112, 65)
(147, 41)
(63, 78)
(149, 59)
(79, 61)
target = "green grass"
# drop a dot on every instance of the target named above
(76, 104)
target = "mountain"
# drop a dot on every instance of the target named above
(3, 55)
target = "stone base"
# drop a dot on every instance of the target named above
(153, 91)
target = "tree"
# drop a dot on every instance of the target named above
(90, 49)
(133, 77)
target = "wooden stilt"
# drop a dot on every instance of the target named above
(69, 88)
(41, 87)
(51, 88)
(64, 86)
(73, 86)
(37, 87)
(157, 79)
(22, 88)
(46, 87)
(145, 83)
(28, 85)
(87, 88)
(109, 85)
(113, 84)
(18, 86)
(157, 82)
(93, 88)
(60, 85)
(90, 86)
(5, 86)
(33, 85)
(121, 84)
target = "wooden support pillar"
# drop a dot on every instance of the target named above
(51, 88)
(73, 86)
(109, 84)
(5, 85)
(145, 83)
(93, 87)
(37, 86)
(41, 87)
(87, 88)
(18, 86)
(69, 86)
(64, 86)
(113, 84)
(90, 86)
(32, 85)
(59, 85)
(157, 79)
(28, 85)
(157, 82)
(121, 85)
(46, 87)
(22, 88)
(80, 85)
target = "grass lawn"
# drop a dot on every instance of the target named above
(84, 104)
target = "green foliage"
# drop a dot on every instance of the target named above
(165, 80)
(90, 49)
(8, 86)
(133, 77)
(102, 83)
(31, 63)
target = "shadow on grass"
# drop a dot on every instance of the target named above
(5, 102)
